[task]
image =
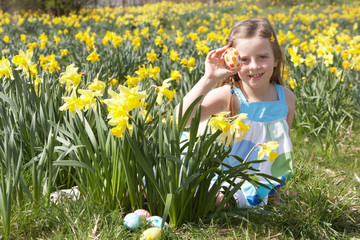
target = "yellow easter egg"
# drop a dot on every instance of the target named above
(151, 234)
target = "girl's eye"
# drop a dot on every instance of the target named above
(244, 59)
(263, 57)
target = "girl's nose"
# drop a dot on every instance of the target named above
(253, 64)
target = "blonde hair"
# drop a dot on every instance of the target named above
(247, 29)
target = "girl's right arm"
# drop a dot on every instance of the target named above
(216, 100)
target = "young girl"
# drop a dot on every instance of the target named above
(256, 89)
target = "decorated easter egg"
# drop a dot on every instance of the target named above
(132, 221)
(232, 58)
(143, 213)
(156, 221)
(151, 234)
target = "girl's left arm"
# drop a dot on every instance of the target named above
(290, 102)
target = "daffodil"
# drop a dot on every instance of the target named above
(202, 47)
(132, 97)
(143, 72)
(136, 42)
(56, 39)
(220, 122)
(164, 91)
(87, 99)
(174, 55)
(70, 102)
(151, 56)
(23, 38)
(117, 40)
(190, 63)
(238, 126)
(93, 56)
(23, 60)
(310, 60)
(97, 85)
(33, 70)
(122, 125)
(154, 71)
(146, 116)
(293, 83)
(71, 77)
(32, 45)
(175, 75)
(237, 129)
(113, 82)
(5, 68)
(158, 41)
(6, 39)
(43, 40)
(266, 149)
(131, 81)
(64, 52)
(53, 64)
(37, 83)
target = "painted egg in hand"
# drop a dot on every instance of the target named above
(232, 58)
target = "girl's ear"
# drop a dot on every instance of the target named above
(276, 62)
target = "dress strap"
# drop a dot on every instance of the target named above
(280, 92)
(240, 95)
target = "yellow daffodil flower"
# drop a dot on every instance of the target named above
(64, 52)
(6, 39)
(188, 63)
(87, 99)
(174, 55)
(266, 149)
(23, 60)
(151, 56)
(23, 38)
(175, 75)
(33, 70)
(5, 68)
(93, 56)
(142, 73)
(113, 82)
(97, 85)
(158, 41)
(131, 81)
(122, 125)
(37, 83)
(220, 122)
(43, 40)
(154, 71)
(164, 91)
(136, 42)
(70, 102)
(71, 77)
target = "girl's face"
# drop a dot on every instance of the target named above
(258, 61)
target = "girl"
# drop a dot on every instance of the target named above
(256, 89)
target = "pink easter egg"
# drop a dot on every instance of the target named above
(143, 213)
(232, 58)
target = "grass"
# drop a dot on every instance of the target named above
(324, 205)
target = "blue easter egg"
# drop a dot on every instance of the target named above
(132, 221)
(156, 221)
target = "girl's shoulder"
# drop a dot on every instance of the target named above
(289, 96)
(290, 102)
(217, 99)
